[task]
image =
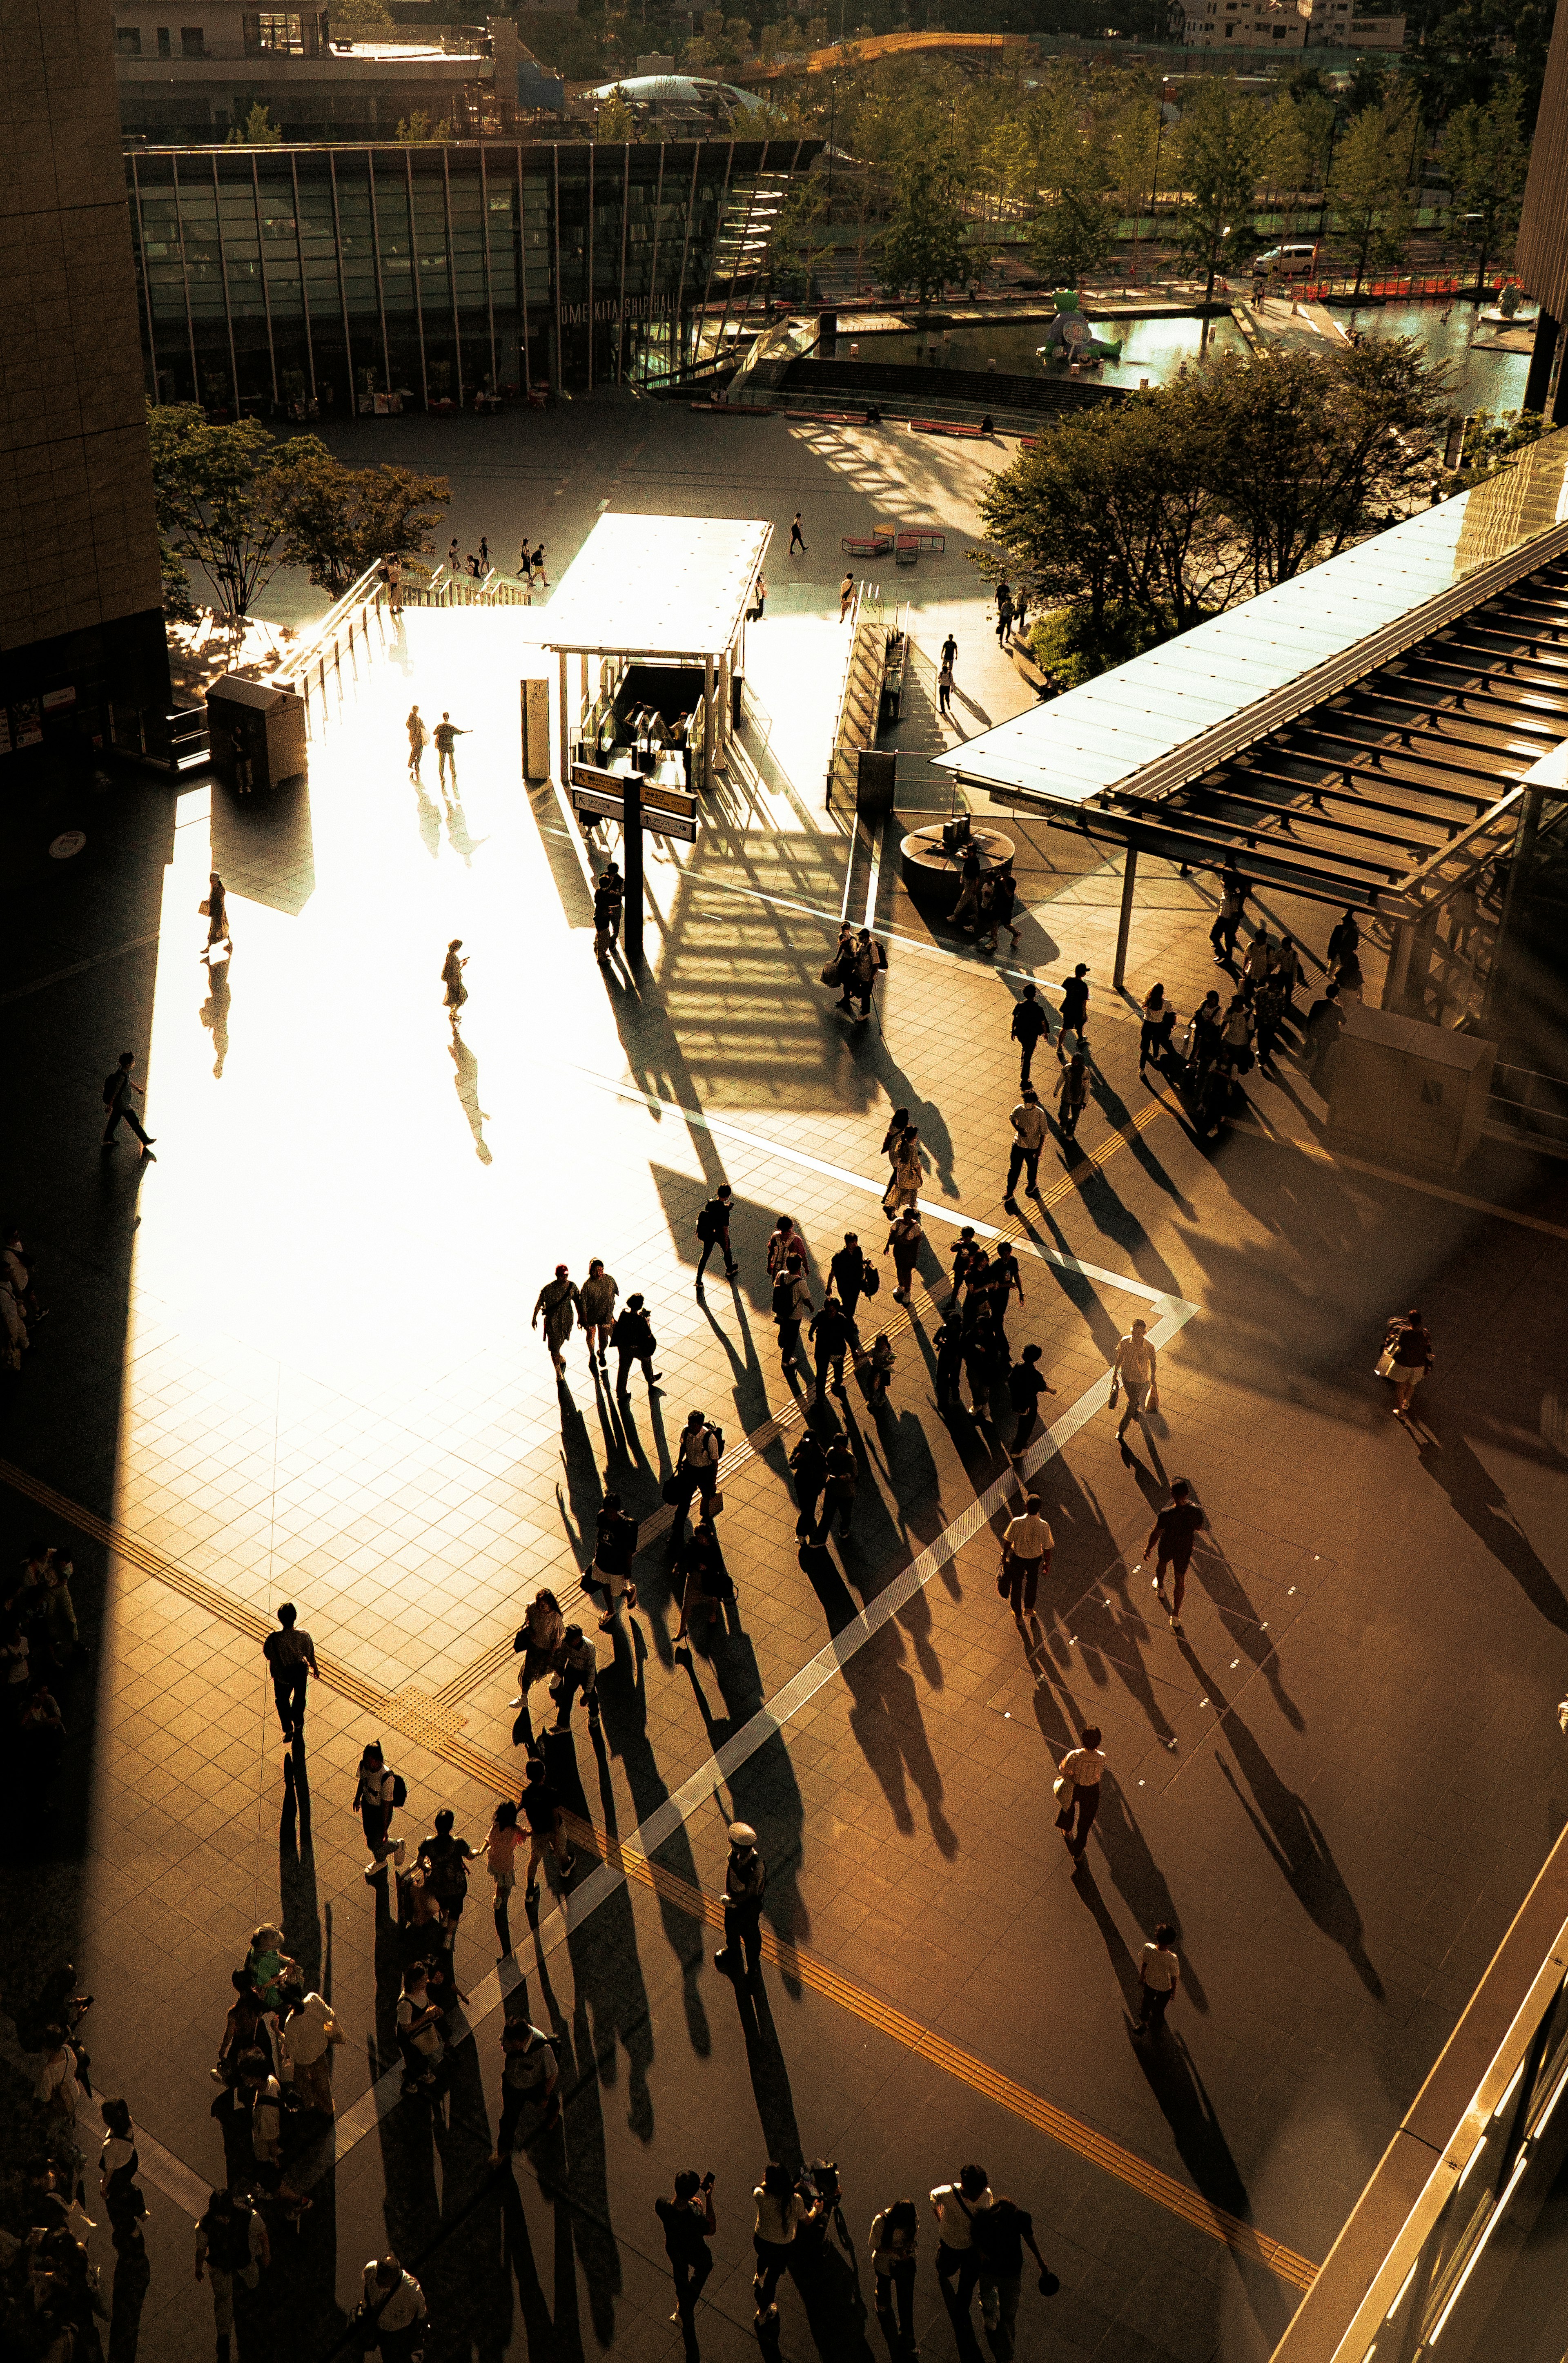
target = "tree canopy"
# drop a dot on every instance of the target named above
(1219, 149)
(926, 246)
(1485, 157)
(338, 521)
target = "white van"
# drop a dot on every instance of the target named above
(1287, 261)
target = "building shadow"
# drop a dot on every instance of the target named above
(262, 845)
(1481, 1502)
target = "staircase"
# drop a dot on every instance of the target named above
(861, 698)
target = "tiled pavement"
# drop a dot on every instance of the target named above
(323, 1386)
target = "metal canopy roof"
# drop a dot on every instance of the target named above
(1340, 733)
(658, 587)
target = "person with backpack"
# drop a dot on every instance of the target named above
(713, 1230)
(904, 1243)
(1001, 2232)
(614, 1549)
(231, 2245)
(541, 1809)
(579, 1671)
(392, 2313)
(1029, 1022)
(808, 1465)
(290, 1660)
(379, 1793)
(697, 1458)
(852, 1277)
(791, 1303)
(1075, 1015)
(117, 1090)
(443, 1858)
(633, 1341)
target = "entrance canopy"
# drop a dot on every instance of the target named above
(662, 588)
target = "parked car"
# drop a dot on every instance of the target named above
(1288, 261)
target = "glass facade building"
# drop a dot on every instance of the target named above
(322, 281)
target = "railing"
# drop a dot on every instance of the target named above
(175, 742)
(1531, 1105)
(1417, 287)
(446, 589)
(309, 666)
(865, 620)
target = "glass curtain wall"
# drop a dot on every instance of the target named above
(304, 283)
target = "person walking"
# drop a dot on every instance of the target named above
(1072, 1094)
(291, 1661)
(869, 963)
(537, 1641)
(1325, 1023)
(1025, 1386)
(688, 2225)
(1228, 920)
(484, 555)
(785, 1239)
(596, 1302)
(307, 2039)
(701, 1578)
(782, 2211)
(501, 1847)
(944, 693)
(1414, 1355)
(1075, 1015)
(1257, 963)
(231, 2245)
(540, 576)
(541, 1809)
(1002, 2232)
(841, 1482)
(608, 897)
(907, 1174)
(1135, 1367)
(1004, 1281)
(216, 908)
(418, 740)
(579, 1671)
(1268, 1009)
(1154, 1031)
(955, 2205)
(895, 2238)
(392, 2312)
(633, 1341)
(697, 1460)
(845, 596)
(560, 1303)
(1344, 943)
(797, 539)
(1159, 1974)
(456, 991)
(808, 1466)
(1029, 1022)
(968, 884)
(1171, 1538)
(904, 1243)
(530, 2081)
(1027, 1545)
(1200, 1043)
(948, 1344)
(713, 1230)
(1236, 1038)
(1029, 1129)
(1004, 901)
(614, 1549)
(1287, 973)
(1078, 1790)
(376, 1798)
(526, 565)
(447, 734)
(848, 1274)
(1004, 613)
(745, 1884)
(833, 1336)
(760, 595)
(791, 1303)
(453, 561)
(119, 1089)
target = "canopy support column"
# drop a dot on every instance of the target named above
(1124, 926)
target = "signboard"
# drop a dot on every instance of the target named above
(54, 700)
(596, 805)
(27, 723)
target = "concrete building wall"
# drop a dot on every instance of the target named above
(76, 514)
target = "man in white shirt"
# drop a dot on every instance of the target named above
(304, 2052)
(1136, 1365)
(1029, 1129)
(393, 2310)
(955, 2206)
(1027, 1545)
(1083, 1766)
(1159, 1974)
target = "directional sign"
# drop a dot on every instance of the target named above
(598, 781)
(597, 805)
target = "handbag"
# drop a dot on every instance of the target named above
(1115, 1387)
(1384, 1366)
(1153, 1398)
(830, 972)
(890, 1195)
(203, 909)
(715, 1503)
(871, 1280)
(671, 1490)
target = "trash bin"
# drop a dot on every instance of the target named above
(876, 774)
(256, 734)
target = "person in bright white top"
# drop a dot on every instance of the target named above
(780, 2212)
(1159, 1974)
(392, 2310)
(1135, 1367)
(1081, 1768)
(1027, 1545)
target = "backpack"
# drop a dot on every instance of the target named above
(400, 1791)
(784, 1298)
(709, 1222)
(111, 1085)
(716, 1433)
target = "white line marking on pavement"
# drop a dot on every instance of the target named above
(721, 1128)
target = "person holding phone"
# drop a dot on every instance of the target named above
(688, 2221)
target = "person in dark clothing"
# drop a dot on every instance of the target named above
(1002, 2232)
(1029, 1022)
(949, 1345)
(1204, 1030)
(291, 1661)
(1075, 1011)
(608, 897)
(1268, 1008)
(541, 1809)
(713, 1230)
(1171, 1537)
(968, 883)
(808, 1463)
(841, 1480)
(848, 1272)
(1325, 1023)
(117, 1091)
(1004, 900)
(834, 1338)
(633, 1341)
(1345, 942)
(966, 1254)
(614, 1549)
(688, 2221)
(1025, 1385)
(745, 1884)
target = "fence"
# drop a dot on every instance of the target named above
(446, 589)
(335, 635)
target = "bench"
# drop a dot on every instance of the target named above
(832, 418)
(946, 427)
(730, 410)
(865, 545)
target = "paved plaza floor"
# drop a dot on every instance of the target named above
(292, 1359)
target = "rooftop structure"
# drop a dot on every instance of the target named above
(1286, 25)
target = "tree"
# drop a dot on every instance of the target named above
(615, 119)
(258, 130)
(925, 245)
(1485, 156)
(178, 604)
(1369, 189)
(212, 494)
(1316, 450)
(801, 239)
(1075, 232)
(336, 520)
(415, 130)
(361, 16)
(1219, 148)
